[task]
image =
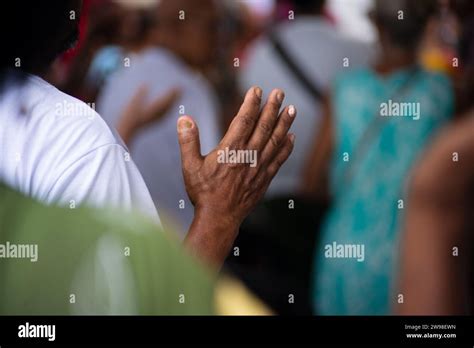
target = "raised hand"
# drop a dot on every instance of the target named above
(226, 184)
(139, 114)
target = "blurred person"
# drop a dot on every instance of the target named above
(103, 262)
(302, 55)
(139, 114)
(438, 48)
(436, 272)
(122, 264)
(56, 149)
(437, 250)
(185, 43)
(116, 30)
(58, 71)
(93, 262)
(372, 147)
(239, 29)
(318, 50)
(464, 79)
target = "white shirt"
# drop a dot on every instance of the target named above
(57, 149)
(155, 150)
(318, 49)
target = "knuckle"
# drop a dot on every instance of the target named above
(265, 128)
(274, 106)
(291, 145)
(234, 143)
(280, 160)
(275, 140)
(246, 120)
(271, 170)
(186, 139)
(257, 183)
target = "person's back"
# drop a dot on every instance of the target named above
(382, 118)
(440, 210)
(57, 149)
(368, 187)
(81, 261)
(320, 52)
(155, 150)
(439, 216)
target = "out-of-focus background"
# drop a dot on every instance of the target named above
(336, 60)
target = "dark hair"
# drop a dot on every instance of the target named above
(308, 6)
(34, 33)
(464, 10)
(404, 32)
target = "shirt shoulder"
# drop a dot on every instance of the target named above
(440, 84)
(43, 131)
(58, 130)
(67, 153)
(150, 64)
(358, 78)
(66, 116)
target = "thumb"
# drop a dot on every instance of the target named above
(188, 137)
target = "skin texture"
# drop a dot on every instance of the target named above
(432, 280)
(223, 194)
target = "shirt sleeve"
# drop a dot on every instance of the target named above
(105, 176)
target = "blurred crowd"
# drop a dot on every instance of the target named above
(348, 185)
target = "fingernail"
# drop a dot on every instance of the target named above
(184, 124)
(291, 111)
(258, 92)
(280, 96)
(292, 138)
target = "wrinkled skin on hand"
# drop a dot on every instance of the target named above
(224, 193)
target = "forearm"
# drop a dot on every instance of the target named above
(210, 238)
(224, 193)
(431, 278)
(433, 273)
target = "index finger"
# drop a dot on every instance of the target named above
(243, 124)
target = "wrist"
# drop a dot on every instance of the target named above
(214, 215)
(211, 235)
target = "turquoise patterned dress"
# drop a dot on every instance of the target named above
(367, 207)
